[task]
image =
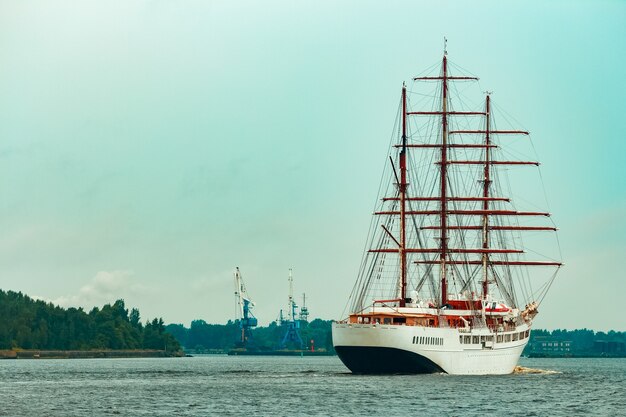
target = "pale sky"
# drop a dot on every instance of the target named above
(147, 148)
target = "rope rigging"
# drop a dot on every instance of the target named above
(502, 224)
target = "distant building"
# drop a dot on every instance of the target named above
(550, 346)
(609, 347)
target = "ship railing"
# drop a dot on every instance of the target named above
(495, 328)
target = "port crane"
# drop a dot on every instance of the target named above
(292, 333)
(244, 306)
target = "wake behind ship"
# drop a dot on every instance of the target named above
(445, 285)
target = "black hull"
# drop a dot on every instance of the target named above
(380, 360)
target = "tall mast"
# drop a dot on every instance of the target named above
(443, 179)
(402, 188)
(486, 184)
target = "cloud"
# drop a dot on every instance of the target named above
(105, 287)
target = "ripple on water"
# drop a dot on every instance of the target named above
(220, 385)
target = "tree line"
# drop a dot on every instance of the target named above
(26, 323)
(201, 336)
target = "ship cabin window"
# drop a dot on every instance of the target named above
(460, 339)
(482, 339)
(515, 336)
(413, 339)
(431, 323)
(507, 338)
(499, 338)
(475, 340)
(467, 339)
(387, 320)
(489, 338)
(527, 333)
(521, 335)
(399, 320)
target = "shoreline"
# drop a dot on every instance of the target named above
(574, 356)
(86, 354)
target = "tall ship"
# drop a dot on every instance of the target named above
(455, 266)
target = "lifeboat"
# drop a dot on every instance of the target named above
(494, 307)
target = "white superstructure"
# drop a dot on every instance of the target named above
(420, 340)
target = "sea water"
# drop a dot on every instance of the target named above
(302, 386)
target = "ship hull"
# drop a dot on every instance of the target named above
(384, 360)
(397, 349)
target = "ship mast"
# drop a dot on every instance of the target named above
(443, 179)
(403, 188)
(486, 184)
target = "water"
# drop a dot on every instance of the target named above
(295, 386)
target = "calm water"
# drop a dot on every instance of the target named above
(221, 385)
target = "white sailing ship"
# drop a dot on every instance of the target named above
(445, 284)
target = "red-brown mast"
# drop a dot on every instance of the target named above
(402, 188)
(443, 178)
(486, 184)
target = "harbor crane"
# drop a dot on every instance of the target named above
(292, 334)
(244, 306)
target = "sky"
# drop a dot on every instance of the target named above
(147, 148)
